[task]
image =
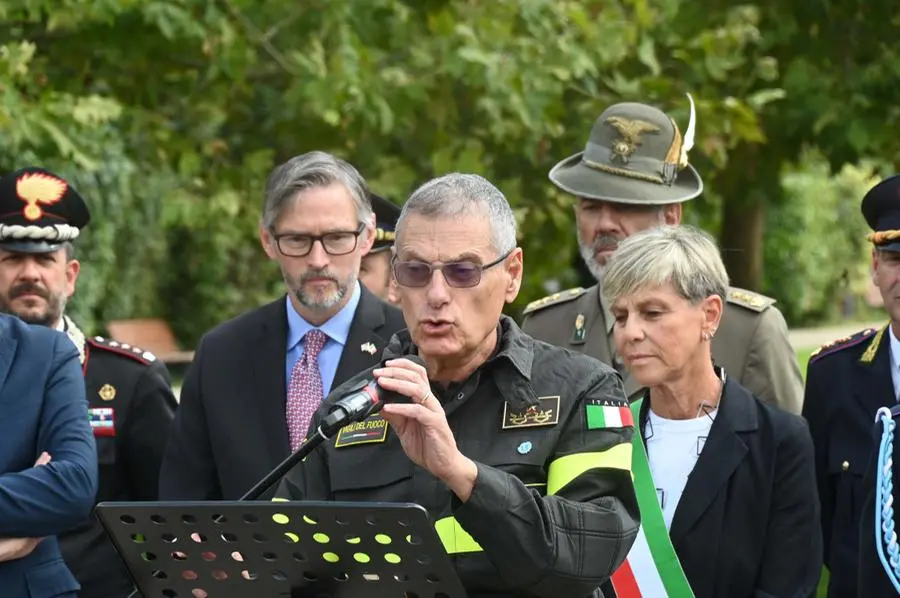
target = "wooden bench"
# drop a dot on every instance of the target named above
(152, 335)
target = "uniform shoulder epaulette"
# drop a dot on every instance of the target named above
(749, 299)
(554, 299)
(124, 349)
(847, 342)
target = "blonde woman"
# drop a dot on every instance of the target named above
(729, 482)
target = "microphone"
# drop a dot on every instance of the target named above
(358, 403)
(361, 402)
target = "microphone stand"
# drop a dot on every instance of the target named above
(330, 425)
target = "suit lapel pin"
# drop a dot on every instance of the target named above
(368, 348)
(578, 335)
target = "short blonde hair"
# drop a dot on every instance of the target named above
(684, 256)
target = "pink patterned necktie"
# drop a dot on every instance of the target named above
(305, 388)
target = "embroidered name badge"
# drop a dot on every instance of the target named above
(102, 421)
(545, 413)
(372, 429)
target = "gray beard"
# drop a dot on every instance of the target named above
(587, 256)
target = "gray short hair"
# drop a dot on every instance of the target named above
(309, 170)
(455, 194)
(684, 256)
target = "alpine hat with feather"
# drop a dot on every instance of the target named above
(635, 155)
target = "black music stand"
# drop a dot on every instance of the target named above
(263, 549)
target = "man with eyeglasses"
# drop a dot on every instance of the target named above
(256, 380)
(519, 450)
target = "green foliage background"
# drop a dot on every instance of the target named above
(169, 114)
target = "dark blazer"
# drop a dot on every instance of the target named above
(747, 524)
(230, 429)
(44, 409)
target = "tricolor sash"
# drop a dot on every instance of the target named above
(652, 569)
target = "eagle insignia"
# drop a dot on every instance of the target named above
(630, 132)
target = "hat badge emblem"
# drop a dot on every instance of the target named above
(37, 188)
(630, 131)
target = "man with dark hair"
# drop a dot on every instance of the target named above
(375, 271)
(130, 400)
(256, 380)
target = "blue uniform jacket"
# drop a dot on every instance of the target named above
(42, 408)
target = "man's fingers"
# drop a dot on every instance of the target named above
(406, 364)
(43, 459)
(404, 387)
(418, 412)
(398, 373)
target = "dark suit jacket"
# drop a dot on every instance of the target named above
(747, 524)
(230, 429)
(44, 409)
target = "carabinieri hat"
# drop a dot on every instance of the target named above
(635, 155)
(39, 211)
(386, 215)
(881, 209)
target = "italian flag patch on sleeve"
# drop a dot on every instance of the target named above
(602, 413)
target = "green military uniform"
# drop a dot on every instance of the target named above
(751, 343)
(636, 156)
(553, 511)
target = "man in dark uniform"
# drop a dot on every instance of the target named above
(633, 175)
(375, 270)
(847, 382)
(520, 450)
(129, 396)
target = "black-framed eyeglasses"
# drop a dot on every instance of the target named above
(462, 274)
(334, 242)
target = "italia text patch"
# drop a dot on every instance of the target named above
(607, 413)
(372, 429)
(545, 413)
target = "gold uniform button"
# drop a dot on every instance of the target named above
(845, 465)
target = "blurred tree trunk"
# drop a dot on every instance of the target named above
(749, 183)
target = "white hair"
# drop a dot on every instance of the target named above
(455, 194)
(683, 256)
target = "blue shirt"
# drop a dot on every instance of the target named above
(336, 329)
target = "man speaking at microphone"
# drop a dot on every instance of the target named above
(518, 449)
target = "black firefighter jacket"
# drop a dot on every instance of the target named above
(553, 512)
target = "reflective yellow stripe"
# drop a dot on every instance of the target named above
(565, 469)
(454, 538)
(276, 499)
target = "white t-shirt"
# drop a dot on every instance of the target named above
(673, 447)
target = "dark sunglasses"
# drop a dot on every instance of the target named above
(464, 274)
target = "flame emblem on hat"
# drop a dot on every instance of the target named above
(38, 188)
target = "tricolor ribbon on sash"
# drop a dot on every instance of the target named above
(652, 569)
